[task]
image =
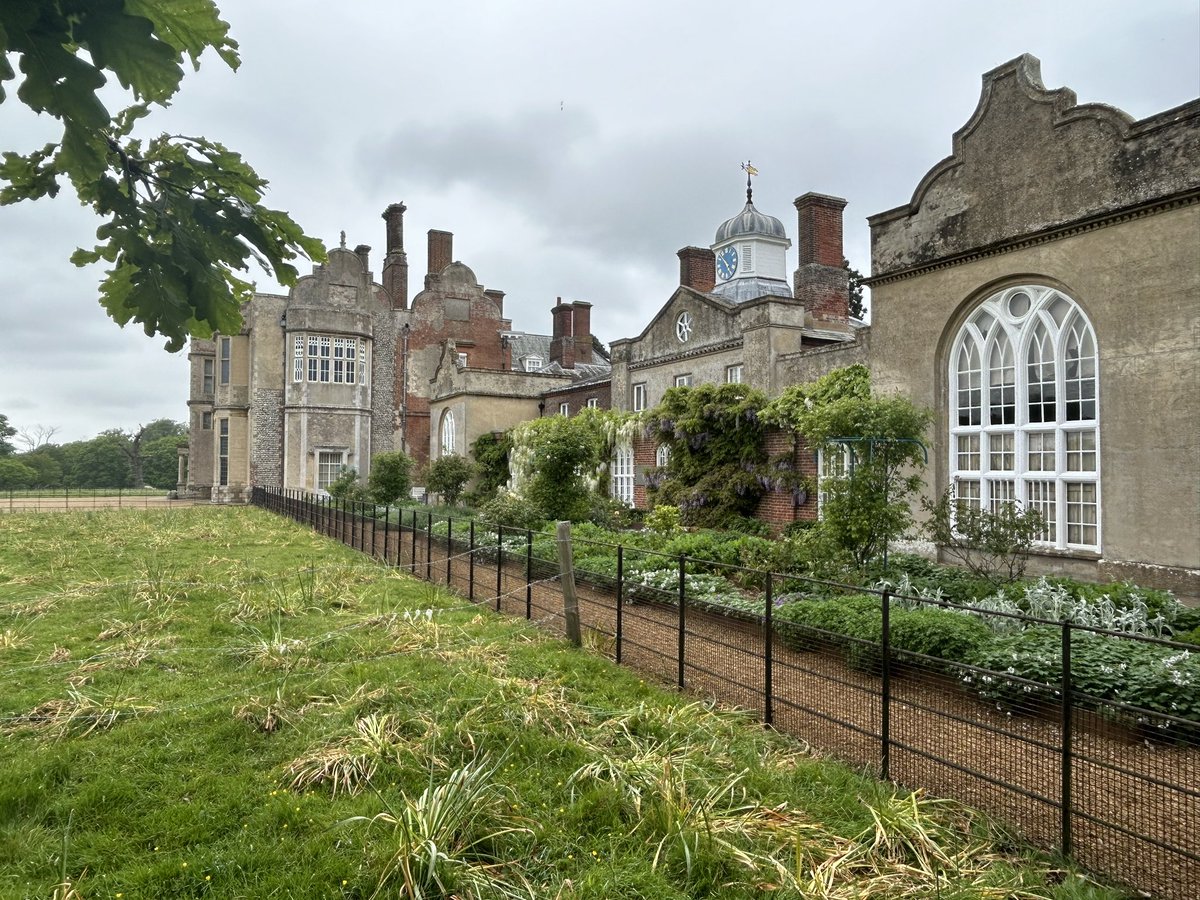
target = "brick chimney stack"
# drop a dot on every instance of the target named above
(581, 328)
(395, 262)
(698, 269)
(821, 282)
(363, 252)
(562, 340)
(441, 250)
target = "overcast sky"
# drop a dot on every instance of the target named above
(571, 148)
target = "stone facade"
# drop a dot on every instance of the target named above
(1103, 211)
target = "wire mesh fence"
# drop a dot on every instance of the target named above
(56, 499)
(1084, 739)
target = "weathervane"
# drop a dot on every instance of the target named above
(749, 170)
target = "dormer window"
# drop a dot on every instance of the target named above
(533, 364)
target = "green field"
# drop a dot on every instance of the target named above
(216, 703)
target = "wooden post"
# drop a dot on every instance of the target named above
(566, 567)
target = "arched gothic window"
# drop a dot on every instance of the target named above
(447, 433)
(1024, 415)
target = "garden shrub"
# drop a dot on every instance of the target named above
(867, 508)
(347, 486)
(447, 476)
(807, 624)
(511, 511)
(941, 633)
(490, 452)
(664, 519)
(992, 544)
(391, 477)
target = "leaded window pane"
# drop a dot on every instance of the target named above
(1000, 452)
(1002, 383)
(969, 380)
(1082, 511)
(1040, 451)
(968, 452)
(1040, 375)
(1081, 451)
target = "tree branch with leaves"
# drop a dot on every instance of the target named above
(182, 214)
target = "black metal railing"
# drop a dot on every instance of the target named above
(1076, 767)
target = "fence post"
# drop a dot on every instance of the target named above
(499, 563)
(412, 562)
(620, 596)
(768, 654)
(449, 546)
(1067, 737)
(429, 546)
(387, 530)
(566, 567)
(471, 563)
(885, 713)
(682, 608)
(528, 574)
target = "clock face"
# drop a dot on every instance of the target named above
(727, 262)
(683, 326)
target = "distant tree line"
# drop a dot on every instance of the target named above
(113, 459)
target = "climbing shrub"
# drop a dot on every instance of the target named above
(867, 507)
(718, 468)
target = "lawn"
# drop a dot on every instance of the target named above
(214, 702)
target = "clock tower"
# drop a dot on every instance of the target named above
(751, 251)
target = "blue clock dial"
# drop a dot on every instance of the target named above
(727, 262)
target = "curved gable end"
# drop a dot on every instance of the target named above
(1031, 160)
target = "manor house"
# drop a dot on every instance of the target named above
(1040, 291)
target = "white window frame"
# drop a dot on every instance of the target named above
(325, 359)
(223, 451)
(683, 380)
(533, 364)
(639, 397)
(329, 467)
(564, 408)
(225, 345)
(1024, 411)
(298, 358)
(621, 474)
(733, 374)
(833, 464)
(593, 403)
(662, 455)
(460, 359)
(447, 433)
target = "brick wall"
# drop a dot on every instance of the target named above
(578, 397)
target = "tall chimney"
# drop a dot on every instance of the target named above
(395, 262)
(562, 341)
(581, 329)
(441, 250)
(364, 256)
(821, 282)
(697, 269)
